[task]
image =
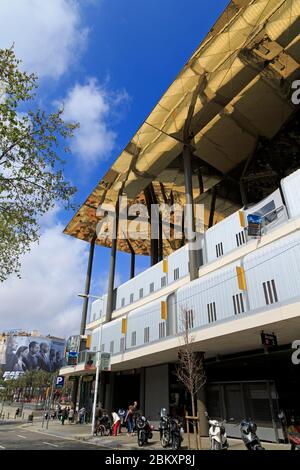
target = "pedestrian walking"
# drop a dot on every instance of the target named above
(71, 415)
(81, 415)
(129, 420)
(17, 412)
(116, 422)
(64, 416)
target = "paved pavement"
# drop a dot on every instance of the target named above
(14, 436)
(82, 434)
(75, 436)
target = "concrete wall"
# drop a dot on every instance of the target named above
(156, 390)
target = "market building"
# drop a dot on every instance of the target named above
(224, 137)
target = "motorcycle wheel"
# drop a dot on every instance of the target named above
(216, 445)
(175, 443)
(165, 440)
(259, 447)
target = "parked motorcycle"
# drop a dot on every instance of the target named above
(171, 430)
(176, 432)
(144, 430)
(217, 434)
(249, 435)
(294, 435)
(164, 428)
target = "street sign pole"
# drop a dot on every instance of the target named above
(50, 400)
(96, 382)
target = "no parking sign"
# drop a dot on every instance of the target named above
(60, 382)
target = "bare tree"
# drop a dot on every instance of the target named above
(190, 371)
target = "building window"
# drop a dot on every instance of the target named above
(163, 281)
(111, 348)
(219, 249)
(212, 313)
(133, 338)
(189, 319)
(146, 334)
(151, 287)
(176, 274)
(122, 345)
(102, 347)
(141, 293)
(240, 238)
(123, 302)
(162, 330)
(131, 298)
(238, 303)
(270, 292)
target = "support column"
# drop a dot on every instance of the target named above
(201, 409)
(132, 265)
(189, 212)
(87, 286)
(82, 344)
(132, 259)
(112, 267)
(153, 240)
(142, 390)
(160, 241)
(212, 206)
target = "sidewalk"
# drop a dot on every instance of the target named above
(124, 442)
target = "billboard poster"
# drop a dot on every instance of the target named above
(26, 353)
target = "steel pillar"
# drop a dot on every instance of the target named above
(112, 267)
(189, 212)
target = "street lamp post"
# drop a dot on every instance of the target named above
(98, 364)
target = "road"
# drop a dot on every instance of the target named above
(14, 437)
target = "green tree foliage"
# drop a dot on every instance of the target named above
(31, 176)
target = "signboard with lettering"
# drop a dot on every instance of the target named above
(254, 225)
(269, 340)
(72, 358)
(105, 361)
(60, 382)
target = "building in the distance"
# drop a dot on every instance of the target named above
(22, 351)
(225, 135)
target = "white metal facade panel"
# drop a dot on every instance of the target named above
(217, 287)
(98, 308)
(224, 232)
(112, 331)
(178, 259)
(141, 318)
(141, 281)
(279, 261)
(290, 187)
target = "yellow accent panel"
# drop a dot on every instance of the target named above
(124, 326)
(88, 341)
(242, 219)
(165, 265)
(164, 310)
(241, 278)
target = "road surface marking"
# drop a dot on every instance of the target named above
(23, 437)
(49, 444)
(1, 447)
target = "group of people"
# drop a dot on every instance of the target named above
(35, 356)
(123, 417)
(63, 414)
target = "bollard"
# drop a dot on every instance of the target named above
(23, 415)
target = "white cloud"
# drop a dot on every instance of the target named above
(93, 107)
(48, 34)
(46, 297)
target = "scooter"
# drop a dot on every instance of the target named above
(217, 434)
(249, 436)
(144, 430)
(294, 435)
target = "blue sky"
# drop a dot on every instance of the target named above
(108, 61)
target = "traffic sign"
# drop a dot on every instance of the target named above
(60, 382)
(268, 339)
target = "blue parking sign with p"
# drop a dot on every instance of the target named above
(60, 382)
